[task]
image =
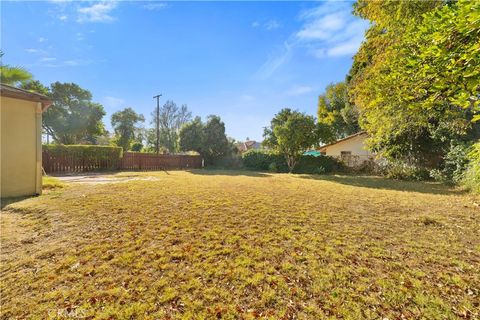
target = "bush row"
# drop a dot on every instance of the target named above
(261, 160)
(85, 151)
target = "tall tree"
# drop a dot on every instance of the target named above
(125, 124)
(191, 136)
(415, 78)
(291, 133)
(73, 118)
(335, 110)
(215, 143)
(13, 75)
(208, 138)
(171, 120)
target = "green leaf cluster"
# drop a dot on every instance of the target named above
(336, 111)
(416, 78)
(208, 139)
(125, 124)
(291, 133)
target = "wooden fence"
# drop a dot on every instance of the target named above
(151, 161)
(71, 163)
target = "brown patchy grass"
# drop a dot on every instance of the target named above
(239, 245)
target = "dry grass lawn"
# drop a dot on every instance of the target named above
(238, 245)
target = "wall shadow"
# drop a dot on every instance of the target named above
(376, 182)
(7, 201)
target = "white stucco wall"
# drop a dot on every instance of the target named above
(356, 145)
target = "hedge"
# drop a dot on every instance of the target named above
(85, 151)
(261, 160)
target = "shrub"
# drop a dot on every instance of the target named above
(400, 170)
(231, 161)
(471, 178)
(262, 160)
(106, 152)
(257, 160)
(454, 164)
(316, 165)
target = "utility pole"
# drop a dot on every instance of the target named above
(157, 146)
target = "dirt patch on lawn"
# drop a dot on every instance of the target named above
(95, 178)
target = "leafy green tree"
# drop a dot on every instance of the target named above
(125, 123)
(171, 120)
(35, 86)
(208, 138)
(73, 118)
(13, 75)
(335, 110)
(291, 133)
(215, 143)
(137, 146)
(416, 77)
(191, 136)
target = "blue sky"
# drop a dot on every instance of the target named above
(241, 60)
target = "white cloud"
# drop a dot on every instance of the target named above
(99, 12)
(345, 48)
(271, 25)
(299, 90)
(331, 30)
(35, 51)
(42, 39)
(328, 30)
(275, 61)
(63, 17)
(48, 59)
(268, 25)
(155, 6)
(324, 27)
(76, 62)
(52, 62)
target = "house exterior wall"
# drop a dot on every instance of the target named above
(21, 148)
(356, 145)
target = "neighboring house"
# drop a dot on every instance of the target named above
(248, 145)
(21, 141)
(350, 150)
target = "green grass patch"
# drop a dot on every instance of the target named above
(49, 183)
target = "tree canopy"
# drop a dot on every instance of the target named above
(73, 117)
(291, 133)
(415, 78)
(208, 139)
(191, 137)
(125, 123)
(171, 119)
(335, 111)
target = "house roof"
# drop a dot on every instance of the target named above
(343, 139)
(17, 93)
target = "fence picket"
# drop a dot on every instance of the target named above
(77, 162)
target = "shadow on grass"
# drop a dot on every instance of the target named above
(7, 201)
(388, 184)
(223, 172)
